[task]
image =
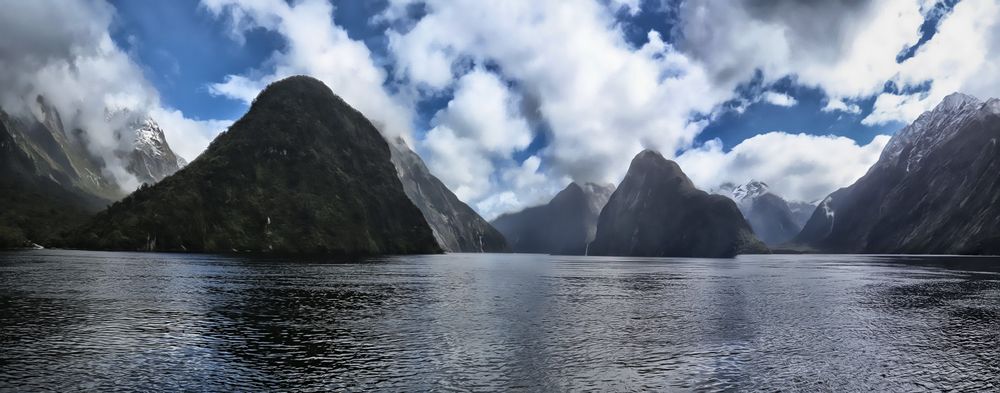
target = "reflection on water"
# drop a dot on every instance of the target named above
(133, 321)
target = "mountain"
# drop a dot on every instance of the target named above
(772, 218)
(151, 158)
(456, 226)
(301, 172)
(934, 189)
(657, 211)
(35, 209)
(52, 181)
(565, 225)
(62, 154)
(57, 153)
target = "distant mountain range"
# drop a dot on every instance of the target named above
(565, 225)
(934, 190)
(303, 172)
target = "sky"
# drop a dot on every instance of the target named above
(510, 100)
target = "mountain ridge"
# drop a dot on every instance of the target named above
(932, 191)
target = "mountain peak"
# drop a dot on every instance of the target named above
(752, 189)
(957, 100)
(573, 186)
(305, 86)
(654, 209)
(648, 154)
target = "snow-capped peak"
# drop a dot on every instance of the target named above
(149, 138)
(931, 129)
(750, 190)
(956, 101)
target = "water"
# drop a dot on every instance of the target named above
(133, 321)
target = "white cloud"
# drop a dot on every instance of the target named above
(187, 137)
(836, 104)
(524, 185)
(478, 131)
(63, 51)
(797, 166)
(485, 110)
(963, 56)
(633, 7)
(847, 48)
(779, 99)
(602, 99)
(315, 47)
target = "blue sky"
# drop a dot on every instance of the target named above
(509, 100)
(182, 48)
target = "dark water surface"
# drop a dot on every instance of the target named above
(133, 321)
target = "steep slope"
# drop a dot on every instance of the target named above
(770, 216)
(456, 226)
(57, 153)
(151, 158)
(934, 189)
(802, 211)
(35, 209)
(657, 211)
(301, 172)
(565, 225)
(62, 154)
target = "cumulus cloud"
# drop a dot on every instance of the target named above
(316, 47)
(846, 47)
(963, 56)
(523, 185)
(63, 52)
(839, 105)
(800, 167)
(779, 99)
(602, 99)
(187, 137)
(849, 49)
(479, 128)
(479, 131)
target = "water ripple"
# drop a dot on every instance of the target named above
(133, 321)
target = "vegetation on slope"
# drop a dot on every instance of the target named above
(301, 172)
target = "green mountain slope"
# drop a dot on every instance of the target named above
(301, 172)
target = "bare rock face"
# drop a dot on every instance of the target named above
(934, 190)
(657, 211)
(456, 226)
(564, 226)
